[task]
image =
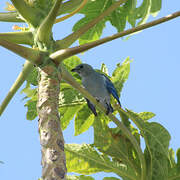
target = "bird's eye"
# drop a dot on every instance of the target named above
(81, 66)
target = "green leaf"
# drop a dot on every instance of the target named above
(104, 69)
(131, 16)
(85, 159)
(119, 17)
(113, 143)
(30, 93)
(32, 112)
(146, 115)
(70, 102)
(92, 34)
(120, 74)
(67, 114)
(155, 7)
(178, 160)
(91, 11)
(32, 77)
(72, 62)
(31, 103)
(81, 177)
(124, 119)
(157, 146)
(69, 97)
(83, 120)
(172, 163)
(111, 178)
(143, 11)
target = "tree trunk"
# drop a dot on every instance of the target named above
(51, 137)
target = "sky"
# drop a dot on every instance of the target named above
(153, 85)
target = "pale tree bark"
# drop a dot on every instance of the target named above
(51, 137)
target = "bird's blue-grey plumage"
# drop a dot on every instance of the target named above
(111, 89)
(98, 85)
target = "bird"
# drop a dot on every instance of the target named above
(98, 85)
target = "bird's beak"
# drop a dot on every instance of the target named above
(74, 70)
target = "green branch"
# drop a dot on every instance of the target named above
(45, 30)
(32, 55)
(62, 54)
(17, 84)
(27, 12)
(67, 41)
(69, 79)
(10, 17)
(18, 37)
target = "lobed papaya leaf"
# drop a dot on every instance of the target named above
(92, 10)
(143, 11)
(70, 102)
(85, 159)
(83, 120)
(155, 7)
(33, 77)
(32, 112)
(71, 63)
(113, 143)
(127, 12)
(67, 114)
(120, 74)
(157, 143)
(146, 115)
(119, 17)
(31, 94)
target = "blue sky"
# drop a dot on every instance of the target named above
(153, 85)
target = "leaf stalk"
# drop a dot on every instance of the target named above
(45, 30)
(17, 84)
(62, 54)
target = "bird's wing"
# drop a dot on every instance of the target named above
(91, 106)
(111, 89)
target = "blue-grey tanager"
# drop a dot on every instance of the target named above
(98, 85)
